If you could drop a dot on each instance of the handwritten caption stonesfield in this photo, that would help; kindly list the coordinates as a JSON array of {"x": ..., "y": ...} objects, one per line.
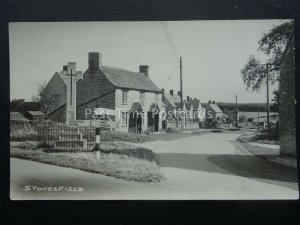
[{"x": 52, "y": 188}]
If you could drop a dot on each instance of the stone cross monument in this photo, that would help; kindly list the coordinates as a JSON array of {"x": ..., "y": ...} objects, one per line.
[{"x": 70, "y": 77}]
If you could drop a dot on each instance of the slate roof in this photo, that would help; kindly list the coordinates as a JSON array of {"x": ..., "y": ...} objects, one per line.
[
  {"x": 216, "y": 108},
  {"x": 136, "y": 107},
  {"x": 36, "y": 113},
  {"x": 177, "y": 105},
  {"x": 129, "y": 80},
  {"x": 17, "y": 116},
  {"x": 188, "y": 105},
  {"x": 27, "y": 106},
  {"x": 173, "y": 99}
]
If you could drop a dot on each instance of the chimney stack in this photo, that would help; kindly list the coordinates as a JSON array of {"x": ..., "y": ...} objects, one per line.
[
  {"x": 144, "y": 69},
  {"x": 163, "y": 93},
  {"x": 188, "y": 98},
  {"x": 171, "y": 92},
  {"x": 95, "y": 60},
  {"x": 71, "y": 66}
]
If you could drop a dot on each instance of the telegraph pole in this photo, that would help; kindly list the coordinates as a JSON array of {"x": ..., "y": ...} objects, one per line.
[
  {"x": 237, "y": 112},
  {"x": 268, "y": 105},
  {"x": 181, "y": 93},
  {"x": 257, "y": 116}
]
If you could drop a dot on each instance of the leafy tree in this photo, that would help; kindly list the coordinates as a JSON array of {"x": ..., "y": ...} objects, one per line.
[
  {"x": 275, "y": 106},
  {"x": 272, "y": 44}
]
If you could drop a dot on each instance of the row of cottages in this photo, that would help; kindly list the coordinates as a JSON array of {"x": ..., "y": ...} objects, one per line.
[
  {"x": 110, "y": 88},
  {"x": 192, "y": 108}
]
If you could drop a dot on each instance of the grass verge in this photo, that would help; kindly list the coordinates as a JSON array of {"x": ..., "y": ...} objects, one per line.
[{"x": 114, "y": 165}]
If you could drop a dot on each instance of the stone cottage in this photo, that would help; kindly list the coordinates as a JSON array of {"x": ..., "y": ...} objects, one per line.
[
  {"x": 191, "y": 109},
  {"x": 127, "y": 92}
]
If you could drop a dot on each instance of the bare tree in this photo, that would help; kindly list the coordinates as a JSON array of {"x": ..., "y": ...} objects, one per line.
[{"x": 48, "y": 100}]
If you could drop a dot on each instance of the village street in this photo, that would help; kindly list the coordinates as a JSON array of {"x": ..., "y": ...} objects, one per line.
[{"x": 208, "y": 166}]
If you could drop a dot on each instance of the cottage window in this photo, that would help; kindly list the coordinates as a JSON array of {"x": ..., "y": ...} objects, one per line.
[
  {"x": 124, "y": 97},
  {"x": 142, "y": 98},
  {"x": 124, "y": 119}
]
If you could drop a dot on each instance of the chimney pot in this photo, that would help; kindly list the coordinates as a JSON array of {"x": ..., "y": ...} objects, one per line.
[
  {"x": 179, "y": 93},
  {"x": 65, "y": 68},
  {"x": 171, "y": 92},
  {"x": 188, "y": 98},
  {"x": 95, "y": 60},
  {"x": 144, "y": 69}
]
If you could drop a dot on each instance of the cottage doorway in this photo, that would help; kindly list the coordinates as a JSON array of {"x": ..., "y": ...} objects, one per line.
[
  {"x": 135, "y": 119},
  {"x": 132, "y": 122},
  {"x": 156, "y": 121},
  {"x": 153, "y": 118}
]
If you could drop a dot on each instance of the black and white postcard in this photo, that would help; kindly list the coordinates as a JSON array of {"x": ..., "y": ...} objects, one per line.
[{"x": 161, "y": 110}]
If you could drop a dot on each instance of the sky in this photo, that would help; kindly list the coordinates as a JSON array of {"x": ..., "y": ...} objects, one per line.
[{"x": 213, "y": 53}]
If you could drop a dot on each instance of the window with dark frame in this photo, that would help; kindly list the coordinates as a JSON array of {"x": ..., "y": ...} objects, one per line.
[{"x": 124, "y": 97}]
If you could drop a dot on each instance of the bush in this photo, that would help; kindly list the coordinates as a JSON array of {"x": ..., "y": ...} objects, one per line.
[
  {"x": 140, "y": 153},
  {"x": 250, "y": 119},
  {"x": 242, "y": 118},
  {"x": 21, "y": 130},
  {"x": 123, "y": 136}
]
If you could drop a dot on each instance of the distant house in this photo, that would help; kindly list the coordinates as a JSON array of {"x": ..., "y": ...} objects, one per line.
[
  {"x": 173, "y": 102},
  {"x": 112, "y": 88},
  {"x": 173, "y": 108},
  {"x": 213, "y": 111},
  {"x": 189, "y": 109},
  {"x": 34, "y": 115},
  {"x": 27, "y": 106},
  {"x": 198, "y": 110}
]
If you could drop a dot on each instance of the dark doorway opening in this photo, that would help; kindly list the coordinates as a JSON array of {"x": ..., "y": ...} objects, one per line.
[
  {"x": 156, "y": 121},
  {"x": 132, "y": 122}
]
